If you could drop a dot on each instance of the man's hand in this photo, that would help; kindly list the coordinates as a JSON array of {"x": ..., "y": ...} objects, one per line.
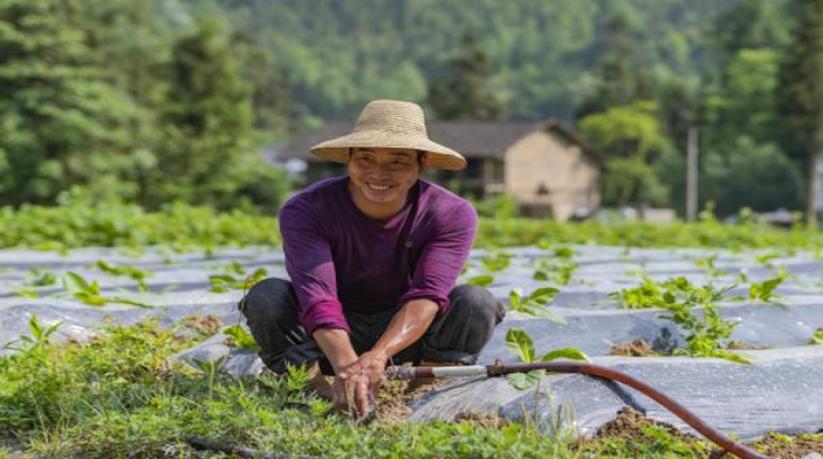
[
  {"x": 371, "y": 364},
  {"x": 358, "y": 378}
]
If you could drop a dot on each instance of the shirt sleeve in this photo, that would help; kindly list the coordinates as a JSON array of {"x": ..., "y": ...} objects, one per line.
[
  {"x": 443, "y": 257},
  {"x": 311, "y": 268}
]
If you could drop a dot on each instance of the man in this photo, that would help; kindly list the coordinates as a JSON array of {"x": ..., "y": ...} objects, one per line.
[{"x": 373, "y": 257}]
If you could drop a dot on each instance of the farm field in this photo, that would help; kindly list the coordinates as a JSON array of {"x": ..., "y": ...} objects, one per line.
[{"x": 132, "y": 351}]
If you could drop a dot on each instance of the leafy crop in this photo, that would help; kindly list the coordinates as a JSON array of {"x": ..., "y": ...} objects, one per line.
[
  {"x": 130, "y": 271},
  {"x": 534, "y": 303},
  {"x": 557, "y": 267},
  {"x": 706, "y": 334},
  {"x": 482, "y": 280},
  {"x": 224, "y": 282},
  {"x": 113, "y": 224},
  {"x": 89, "y": 292},
  {"x": 38, "y": 277},
  {"x": 708, "y": 265},
  {"x": 765, "y": 291},
  {"x": 817, "y": 336},
  {"x": 496, "y": 261},
  {"x": 651, "y": 294},
  {"x": 520, "y": 343}
]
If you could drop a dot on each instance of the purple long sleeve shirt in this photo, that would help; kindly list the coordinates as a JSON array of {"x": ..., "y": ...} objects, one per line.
[{"x": 339, "y": 259}]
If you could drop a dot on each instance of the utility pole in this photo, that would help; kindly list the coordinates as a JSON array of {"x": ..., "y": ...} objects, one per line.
[{"x": 691, "y": 174}]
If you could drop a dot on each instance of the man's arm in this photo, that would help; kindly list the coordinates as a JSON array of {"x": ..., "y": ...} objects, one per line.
[{"x": 363, "y": 375}]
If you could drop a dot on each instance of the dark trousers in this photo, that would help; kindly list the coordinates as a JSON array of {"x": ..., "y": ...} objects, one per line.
[{"x": 458, "y": 336}]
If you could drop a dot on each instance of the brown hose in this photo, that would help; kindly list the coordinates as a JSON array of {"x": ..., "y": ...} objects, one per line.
[{"x": 500, "y": 369}]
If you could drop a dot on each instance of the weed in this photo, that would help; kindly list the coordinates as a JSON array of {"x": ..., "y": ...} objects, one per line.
[
  {"x": 242, "y": 338},
  {"x": 39, "y": 336}
]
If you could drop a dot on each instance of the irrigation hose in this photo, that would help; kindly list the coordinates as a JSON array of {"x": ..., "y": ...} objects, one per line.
[{"x": 500, "y": 369}]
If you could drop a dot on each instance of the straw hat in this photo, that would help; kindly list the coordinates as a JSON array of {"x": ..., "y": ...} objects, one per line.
[{"x": 390, "y": 124}]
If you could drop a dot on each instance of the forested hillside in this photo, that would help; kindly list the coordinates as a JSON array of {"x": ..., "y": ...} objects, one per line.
[{"x": 156, "y": 100}]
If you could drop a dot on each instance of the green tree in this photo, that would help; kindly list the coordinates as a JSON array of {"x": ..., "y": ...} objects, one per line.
[
  {"x": 463, "y": 93},
  {"x": 620, "y": 75},
  {"x": 744, "y": 101},
  {"x": 801, "y": 90},
  {"x": 62, "y": 120},
  {"x": 630, "y": 138},
  {"x": 749, "y": 174},
  {"x": 208, "y": 156},
  {"x": 749, "y": 24}
]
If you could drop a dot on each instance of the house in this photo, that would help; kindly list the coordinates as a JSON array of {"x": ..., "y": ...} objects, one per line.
[{"x": 543, "y": 165}]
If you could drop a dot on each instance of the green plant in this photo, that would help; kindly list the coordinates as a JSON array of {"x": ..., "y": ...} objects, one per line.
[
  {"x": 496, "y": 261},
  {"x": 535, "y": 303},
  {"x": 242, "y": 338},
  {"x": 557, "y": 270},
  {"x": 483, "y": 280},
  {"x": 678, "y": 297},
  {"x": 651, "y": 294},
  {"x": 708, "y": 264},
  {"x": 765, "y": 259},
  {"x": 133, "y": 272},
  {"x": 89, "y": 293},
  {"x": 521, "y": 344},
  {"x": 817, "y": 336},
  {"x": 39, "y": 336},
  {"x": 765, "y": 291},
  {"x": 299, "y": 377},
  {"x": 41, "y": 278},
  {"x": 704, "y": 334},
  {"x": 224, "y": 282}
]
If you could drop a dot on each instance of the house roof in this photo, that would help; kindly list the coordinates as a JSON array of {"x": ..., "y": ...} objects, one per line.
[{"x": 473, "y": 139}]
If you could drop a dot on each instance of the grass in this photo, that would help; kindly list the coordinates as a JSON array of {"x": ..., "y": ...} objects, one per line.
[{"x": 118, "y": 396}]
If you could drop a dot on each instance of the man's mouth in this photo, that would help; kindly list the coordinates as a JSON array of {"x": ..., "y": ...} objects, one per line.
[{"x": 375, "y": 187}]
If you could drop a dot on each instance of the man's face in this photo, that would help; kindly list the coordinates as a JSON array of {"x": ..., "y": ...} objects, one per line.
[{"x": 383, "y": 176}]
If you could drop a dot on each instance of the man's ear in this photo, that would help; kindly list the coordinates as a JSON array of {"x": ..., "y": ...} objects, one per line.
[{"x": 423, "y": 161}]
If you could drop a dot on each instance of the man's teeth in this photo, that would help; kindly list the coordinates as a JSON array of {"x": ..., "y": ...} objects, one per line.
[{"x": 379, "y": 187}]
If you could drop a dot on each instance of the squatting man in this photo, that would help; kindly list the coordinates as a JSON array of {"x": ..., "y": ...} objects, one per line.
[{"x": 373, "y": 257}]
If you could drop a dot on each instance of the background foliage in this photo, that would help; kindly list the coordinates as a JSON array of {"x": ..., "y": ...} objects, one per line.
[{"x": 157, "y": 100}]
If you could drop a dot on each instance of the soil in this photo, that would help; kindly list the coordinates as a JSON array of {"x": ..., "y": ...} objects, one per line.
[
  {"x": 628, "y": 424},
  {"x": 395, "y": 396},
  {"x": 204, "y": 325},
  {"x": 783, "y": 446},
  {"x": 741, "y": 346},
  {"x": 489, "y": 420},
  {"x": 637, "y": 348}
]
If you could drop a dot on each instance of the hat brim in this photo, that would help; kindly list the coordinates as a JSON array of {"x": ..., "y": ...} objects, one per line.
[{"x": 438, "y": 157}]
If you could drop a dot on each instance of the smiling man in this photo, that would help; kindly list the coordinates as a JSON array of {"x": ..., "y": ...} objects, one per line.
[{"x": 373, "y": 258}]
